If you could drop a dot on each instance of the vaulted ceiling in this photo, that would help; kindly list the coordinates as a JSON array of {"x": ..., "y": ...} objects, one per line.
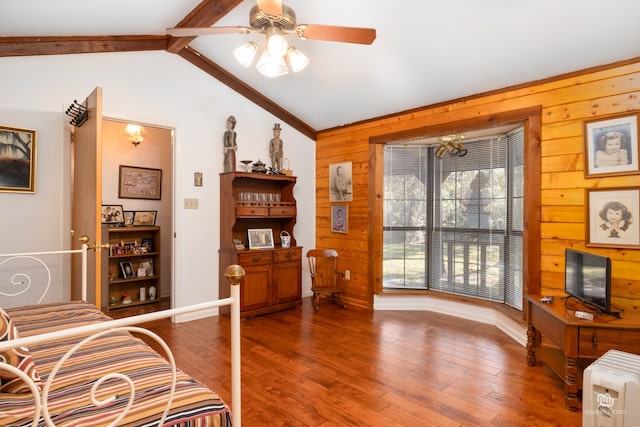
[{"x": 426, "y": 51}]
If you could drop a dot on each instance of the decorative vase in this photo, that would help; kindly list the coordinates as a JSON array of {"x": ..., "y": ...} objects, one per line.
[{"x": 152, "y": 292}]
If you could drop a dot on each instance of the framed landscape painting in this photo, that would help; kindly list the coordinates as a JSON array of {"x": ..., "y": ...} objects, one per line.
[{"x": 17, "y": 160}]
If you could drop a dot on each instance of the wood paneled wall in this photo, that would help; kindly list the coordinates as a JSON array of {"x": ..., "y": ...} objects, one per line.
[{"x": 566, "y": 102}]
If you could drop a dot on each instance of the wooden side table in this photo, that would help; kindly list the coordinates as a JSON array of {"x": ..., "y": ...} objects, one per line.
[{"x": 575, "y": 343}]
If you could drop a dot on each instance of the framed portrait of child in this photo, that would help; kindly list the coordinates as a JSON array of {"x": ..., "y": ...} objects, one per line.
[
  {"x": 613, "y": 217},
  {"x": 611, "y": 146}
]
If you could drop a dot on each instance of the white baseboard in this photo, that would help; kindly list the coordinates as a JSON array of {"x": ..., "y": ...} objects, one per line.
[{"x": 462, "y": 310}]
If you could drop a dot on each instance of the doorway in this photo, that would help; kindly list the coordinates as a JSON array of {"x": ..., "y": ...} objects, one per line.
[{"x": 152, "y": 150}]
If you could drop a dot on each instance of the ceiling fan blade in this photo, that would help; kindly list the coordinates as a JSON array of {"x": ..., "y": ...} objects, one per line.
[
  {"x": 203, "y": 31},
  {"x": 336, "y": 34},
  {"x": 271, "y": 7}
]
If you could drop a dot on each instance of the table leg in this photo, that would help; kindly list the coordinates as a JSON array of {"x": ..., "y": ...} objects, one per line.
[
  {"x": 531, "y": 345},
  {"x": 570, "y": 383}
]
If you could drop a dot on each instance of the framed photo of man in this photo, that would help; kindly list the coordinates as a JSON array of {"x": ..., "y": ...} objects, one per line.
[
  {"x": 611, "y": 146},
  {"x": 612, "y": 217},
  {"x": 340, "y": 182}
]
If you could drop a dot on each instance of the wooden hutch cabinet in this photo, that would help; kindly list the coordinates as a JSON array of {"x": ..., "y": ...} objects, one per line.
[
  {"x": 131, "y": 249},
  {"x": 250, "y": 201}
]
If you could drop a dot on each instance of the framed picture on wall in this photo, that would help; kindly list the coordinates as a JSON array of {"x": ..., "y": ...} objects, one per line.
[
  {"x": 611, "y": 146},
  {"x": 139, "y": 183},
  {"x": 18, "y": 173},
  {"x": 613, "y": 217},
  {"x": 339, "y": 218},
  {"x": 340, "y": 182}
]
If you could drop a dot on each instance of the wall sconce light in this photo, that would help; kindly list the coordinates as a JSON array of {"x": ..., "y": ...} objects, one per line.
[
  {"x": 451, "y": 144},
  {"x": 135, "y": 134}
]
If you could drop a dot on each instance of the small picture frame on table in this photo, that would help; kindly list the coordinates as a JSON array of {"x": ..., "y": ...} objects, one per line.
[
  {"x": 612, "y": 218},
  {"x": 611, "y": 146},
  {"x": 260, "y": 238}
]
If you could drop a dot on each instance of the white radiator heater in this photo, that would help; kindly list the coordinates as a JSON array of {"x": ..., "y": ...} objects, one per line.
[{"x": 611, "y": 391}]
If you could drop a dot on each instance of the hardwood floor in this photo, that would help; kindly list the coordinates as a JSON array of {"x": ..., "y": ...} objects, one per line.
[{"x": 351, "y": 367}]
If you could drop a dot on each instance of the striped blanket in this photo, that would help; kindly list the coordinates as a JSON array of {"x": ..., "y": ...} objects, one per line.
[{"x": 116, "y": 352}]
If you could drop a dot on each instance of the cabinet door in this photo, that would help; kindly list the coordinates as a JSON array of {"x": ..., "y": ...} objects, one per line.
[
  {"x": 255, "y": 289},
  {"x": 286, "y": 279}
]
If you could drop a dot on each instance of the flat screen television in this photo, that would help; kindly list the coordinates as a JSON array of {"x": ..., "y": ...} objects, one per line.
[{"x": 588, "y": 279}]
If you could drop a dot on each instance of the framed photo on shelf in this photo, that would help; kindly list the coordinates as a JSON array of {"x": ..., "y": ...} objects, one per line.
[
  {"x": 20, "y": 177},
  {"x": 129, "y": 246},
  {"x": 260, "y": 238},
  {"x": 147, "y": 265},
  {"x": 126, "y": 268},
  {"x": 147, "y": 242},
  {"x": 112, "y": 214},
  {"x": 139, "y": 183},
  {"x": 611, "y": 146},
  {"x": 128, "y": 218},
  {"x": 340, "y": 182},
  {"x": 339, "y": 218},
  {"x": 117, "y": 250},
  {"x": 144, "y": 217},
  {"x": 612, "y": 216}
]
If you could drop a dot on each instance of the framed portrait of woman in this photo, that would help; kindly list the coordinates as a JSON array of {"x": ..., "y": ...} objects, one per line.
[
  {"x": 612, "y": 216},
  {"x": 611, "y": 146}
]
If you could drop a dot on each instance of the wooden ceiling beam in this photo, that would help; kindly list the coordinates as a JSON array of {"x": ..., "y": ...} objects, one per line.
[
  {"x": 207, "y": 13},
  {"x": 28, "y": 46},
  {"x": 245, "y": 90}
]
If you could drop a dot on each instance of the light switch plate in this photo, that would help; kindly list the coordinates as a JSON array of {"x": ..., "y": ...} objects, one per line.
[{"x": 191, "y": 203}]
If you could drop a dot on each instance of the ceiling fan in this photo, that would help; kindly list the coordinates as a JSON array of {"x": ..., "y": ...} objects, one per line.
[{"x": 275, "y": 20}]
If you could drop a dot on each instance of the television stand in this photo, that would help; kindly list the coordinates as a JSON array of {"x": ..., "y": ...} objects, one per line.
[{"x": 568, "y": 344}]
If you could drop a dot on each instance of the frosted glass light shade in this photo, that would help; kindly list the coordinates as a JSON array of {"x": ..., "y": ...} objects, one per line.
[
  {"x": 245, "y": 53},
  {"x": 297, "y": 60},
  {"x": 270, "y": 66}
]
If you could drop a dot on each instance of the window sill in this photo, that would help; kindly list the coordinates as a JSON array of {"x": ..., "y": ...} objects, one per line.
[{"x": 505, "y": 318}]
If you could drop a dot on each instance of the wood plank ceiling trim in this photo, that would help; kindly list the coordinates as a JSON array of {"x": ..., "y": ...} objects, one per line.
[{"x": 32, "y": 46}]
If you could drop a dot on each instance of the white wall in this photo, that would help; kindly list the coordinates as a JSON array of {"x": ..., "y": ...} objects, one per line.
[{"x": 149, "y": 87}]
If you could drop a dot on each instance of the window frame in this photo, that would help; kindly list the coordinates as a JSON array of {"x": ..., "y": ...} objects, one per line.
[{"x": 531, "y": 117}]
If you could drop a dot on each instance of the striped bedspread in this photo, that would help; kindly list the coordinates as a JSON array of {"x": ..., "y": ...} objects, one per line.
[{"x": 116, "y": 352}]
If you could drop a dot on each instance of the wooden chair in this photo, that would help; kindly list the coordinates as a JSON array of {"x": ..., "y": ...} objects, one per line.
[{"x": 325, "y": 277}]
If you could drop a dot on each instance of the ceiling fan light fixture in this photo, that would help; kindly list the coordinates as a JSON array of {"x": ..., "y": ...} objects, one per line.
[
  {"x": 246, "y": 53},
  {"x": 297, "y": 60},
  {"x": 271, "y": 66}
]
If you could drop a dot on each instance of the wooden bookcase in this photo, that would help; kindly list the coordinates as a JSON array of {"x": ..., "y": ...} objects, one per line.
[
  {"x": 273, "y": 275},
  {"x": 137, "y": 247}
]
